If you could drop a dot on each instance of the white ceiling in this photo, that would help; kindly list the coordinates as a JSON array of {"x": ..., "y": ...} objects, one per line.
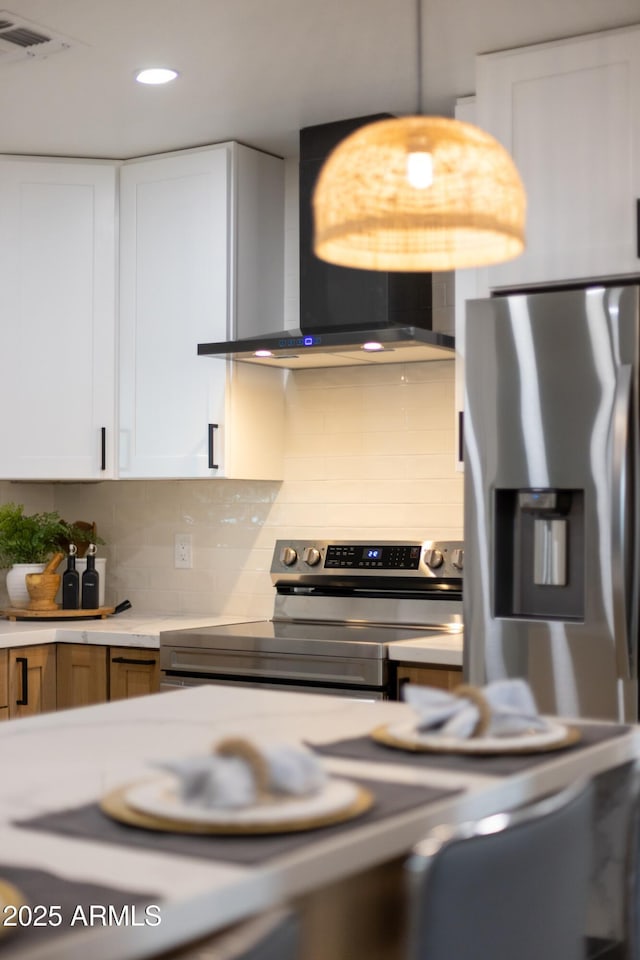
[{"x": 255, "y": 70}]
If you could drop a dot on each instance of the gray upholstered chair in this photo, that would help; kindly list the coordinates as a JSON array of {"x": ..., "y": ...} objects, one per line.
[{"x": 513, "y": 886}]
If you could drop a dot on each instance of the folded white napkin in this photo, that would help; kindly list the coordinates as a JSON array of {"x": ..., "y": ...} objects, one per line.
[
  {"x": 246, "y": 772},
  {"x": 511, "y": 710}
]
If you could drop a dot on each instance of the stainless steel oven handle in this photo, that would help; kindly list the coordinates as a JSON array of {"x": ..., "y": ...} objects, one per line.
[{"x": 168, "y": 684}]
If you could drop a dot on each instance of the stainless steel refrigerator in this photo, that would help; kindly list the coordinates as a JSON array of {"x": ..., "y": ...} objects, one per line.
[{"x": 552, "y": 572}]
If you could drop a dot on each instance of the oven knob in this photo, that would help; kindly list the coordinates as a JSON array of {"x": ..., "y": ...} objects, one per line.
[
  {"x": 433, "y": 558},
  {"x": 457, "y": 559},
  {"x": 288, "y": 556},
  {"x": 311, "y": 556}
]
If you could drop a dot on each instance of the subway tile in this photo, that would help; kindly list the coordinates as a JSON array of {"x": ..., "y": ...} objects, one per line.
[
  {"x": 303, "y": 468},
  {"x": 369, "y": 451},
  {"x": 435, "y": 370}
]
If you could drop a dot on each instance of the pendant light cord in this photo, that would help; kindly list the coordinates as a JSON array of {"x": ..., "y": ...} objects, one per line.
[{"x": 419, "y": 55}]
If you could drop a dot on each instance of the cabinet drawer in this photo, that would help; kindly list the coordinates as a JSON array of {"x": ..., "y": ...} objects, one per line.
[
  {"x": 445, "y": 678},
  {"x": 133, "y": 672}
]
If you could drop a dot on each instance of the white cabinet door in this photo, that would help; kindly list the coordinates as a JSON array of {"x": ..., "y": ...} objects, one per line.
[
  {"x": 57, "y": 302},
  {"x": 569, "y": 113},
  {"x": 182, "y": 281},
  {"x": 174, "y": 265}
]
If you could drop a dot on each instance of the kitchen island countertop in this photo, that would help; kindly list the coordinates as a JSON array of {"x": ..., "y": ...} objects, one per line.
[{"x": 65, "y": 760}]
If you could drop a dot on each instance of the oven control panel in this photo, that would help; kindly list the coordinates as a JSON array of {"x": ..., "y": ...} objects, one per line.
[
  {"x": 377, "y": 557},
  {"x": 302, "y": 559}
]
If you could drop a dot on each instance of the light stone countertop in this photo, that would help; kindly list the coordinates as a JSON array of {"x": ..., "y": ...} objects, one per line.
[
  {"x": 443, "y": 649},
  {"x": 128, "y": 629},
  {"x": 61, "y": 760},
  {"x": 131, "y": 629}
]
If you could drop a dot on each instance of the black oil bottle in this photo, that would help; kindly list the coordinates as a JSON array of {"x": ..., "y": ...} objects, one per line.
[
  {"x": 71, "y": 582},
  {"x": 90, "y": 581}
]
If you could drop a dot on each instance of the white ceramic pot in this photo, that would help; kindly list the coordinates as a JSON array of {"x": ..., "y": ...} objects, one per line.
[{"x": 17, "y": 585}]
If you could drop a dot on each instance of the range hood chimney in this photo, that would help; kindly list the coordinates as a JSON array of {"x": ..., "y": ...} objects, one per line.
[{"x": 347, "y": 317}]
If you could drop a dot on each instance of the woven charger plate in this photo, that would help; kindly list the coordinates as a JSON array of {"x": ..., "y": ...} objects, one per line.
[
  {"x": 10, "y": 896},
  {"x": 116, "y": 806},
  {"x": 421, "y": 743}
]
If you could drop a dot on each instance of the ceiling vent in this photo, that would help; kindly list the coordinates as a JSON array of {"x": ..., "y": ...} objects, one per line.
[{"x": 22, "y": 40}]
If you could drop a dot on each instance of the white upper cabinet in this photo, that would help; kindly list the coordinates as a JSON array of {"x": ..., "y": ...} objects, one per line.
[
  {"x": 201, "y": 259},
  {"x": 57, "y": 302},
  {"x": 469, "y": 284},
  {"x": 569, "y": 113}
]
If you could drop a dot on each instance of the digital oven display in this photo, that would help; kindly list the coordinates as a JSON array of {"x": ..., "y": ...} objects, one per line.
[{"x": 401, "y": 556}]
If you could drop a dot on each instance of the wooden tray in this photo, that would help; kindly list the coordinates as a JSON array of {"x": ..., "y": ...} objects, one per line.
[{"x": 16, "y": 613}]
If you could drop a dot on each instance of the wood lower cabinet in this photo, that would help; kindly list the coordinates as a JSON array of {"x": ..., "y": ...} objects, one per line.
[
  {"x": 65, "y": 675},
  {"x": 4, "y": 684},
  {"x": 133, "y": 672},
  {"x": 32, "y": 680},
  {"x": 82, "y": 675},
  {"x": 446, "y": 678}
]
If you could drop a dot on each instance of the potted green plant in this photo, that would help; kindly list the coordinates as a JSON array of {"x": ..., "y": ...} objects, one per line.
[{"x": 27, "y": 541}]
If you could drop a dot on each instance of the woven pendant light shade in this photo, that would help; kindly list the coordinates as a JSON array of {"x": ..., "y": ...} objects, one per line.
[{"x": 368, "y": 215}]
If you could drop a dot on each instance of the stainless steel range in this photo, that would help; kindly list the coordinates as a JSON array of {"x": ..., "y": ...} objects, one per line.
[{"x": 338, "y": 606}]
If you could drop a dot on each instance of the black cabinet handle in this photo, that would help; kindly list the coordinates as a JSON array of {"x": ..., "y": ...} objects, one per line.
[
  {"x": 139, "y": 663},
  {"x": 24, "y": 663},
  {"x": 212, "y": 428},
  {"x": 638, "y": 228},
  {"x": 103, "y": 448}
]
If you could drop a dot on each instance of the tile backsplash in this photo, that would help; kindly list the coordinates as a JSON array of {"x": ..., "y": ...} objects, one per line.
[{"x": 369, "y": 452}]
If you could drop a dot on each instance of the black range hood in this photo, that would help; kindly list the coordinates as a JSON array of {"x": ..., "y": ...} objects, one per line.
[
  {"x": 294, "y": 349},
  {"x": 347, "y": 317}
]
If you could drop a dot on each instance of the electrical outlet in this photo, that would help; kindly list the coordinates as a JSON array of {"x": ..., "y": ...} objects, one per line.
[{"x": 182, "y": 558}]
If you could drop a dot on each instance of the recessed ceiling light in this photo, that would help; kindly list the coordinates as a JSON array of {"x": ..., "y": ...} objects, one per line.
[{"x": 156, "y": 75}]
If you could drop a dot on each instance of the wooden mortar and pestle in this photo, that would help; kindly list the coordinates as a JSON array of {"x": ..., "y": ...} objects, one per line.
[{"x": 42, "y": 587}]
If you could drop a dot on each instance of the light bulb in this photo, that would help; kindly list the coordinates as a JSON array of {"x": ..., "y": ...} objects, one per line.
[
  {"x": 420, "y": 169},
  {"x": 372, "y": 345},
  {"x": 156, "y": 75}
]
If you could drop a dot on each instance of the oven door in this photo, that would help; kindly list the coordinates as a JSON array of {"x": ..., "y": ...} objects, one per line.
[
  {"x": 296, "y": 669},
  {"x": 168, "y": 682}
]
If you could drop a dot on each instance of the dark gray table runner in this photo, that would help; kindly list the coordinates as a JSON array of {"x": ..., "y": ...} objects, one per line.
[
  {"x": 364, "y": 748},
  {"x": 40, "y": 887},
  {"x": 89, "y": 823}
]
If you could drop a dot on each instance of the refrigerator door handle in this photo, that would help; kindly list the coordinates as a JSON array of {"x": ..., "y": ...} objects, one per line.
[{"x": 623, "y": 518}]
